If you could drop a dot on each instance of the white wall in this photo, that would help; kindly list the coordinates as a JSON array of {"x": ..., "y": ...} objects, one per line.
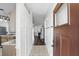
[
  {"x": 24, "y": 30},
  {"x": 49, "y": 31},
  {"x": 12, "y": 23},
  {"x": 42, "y": 33},
  {"x": 38, "y": 29}
]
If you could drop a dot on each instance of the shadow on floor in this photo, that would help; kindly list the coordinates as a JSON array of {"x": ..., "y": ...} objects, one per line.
[{"x": 38, "y": 41}]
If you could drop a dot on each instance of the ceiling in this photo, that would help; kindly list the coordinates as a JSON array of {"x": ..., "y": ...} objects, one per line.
[
  {"x": 8, "y": 7},
  {"x": 39, "y": 10}
]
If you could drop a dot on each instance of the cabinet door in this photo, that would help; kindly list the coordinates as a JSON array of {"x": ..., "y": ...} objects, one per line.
[
  {"x": 64, "y": 46},
  {"x": 56, "y": 45},
  {"x": 8, "y": 50},
  {"x": 61, "y": 45}
]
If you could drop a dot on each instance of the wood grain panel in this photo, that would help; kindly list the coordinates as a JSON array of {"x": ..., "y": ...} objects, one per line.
[
  {"x": 56, "y": 44},
  {"x": 69, "y": 41}
]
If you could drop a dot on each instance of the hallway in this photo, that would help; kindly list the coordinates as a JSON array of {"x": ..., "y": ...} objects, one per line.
[
  {"x": 40, "y": 50},
  {"x": 35, "y": 33}
]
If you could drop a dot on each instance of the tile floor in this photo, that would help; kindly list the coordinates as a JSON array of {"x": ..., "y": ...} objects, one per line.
[{"x": 40, "y": 50}]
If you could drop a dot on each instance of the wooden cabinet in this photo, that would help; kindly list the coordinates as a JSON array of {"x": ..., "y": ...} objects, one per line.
[
  {"x": 8, "y": 50},
  {"x": 56, "y": 44},
  {"x": 68, "y": 38}
]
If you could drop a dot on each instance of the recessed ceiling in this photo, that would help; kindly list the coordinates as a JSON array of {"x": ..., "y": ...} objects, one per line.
[
  {"x": 8, "y": 7},
  {"x": 39, "y": 10}
]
